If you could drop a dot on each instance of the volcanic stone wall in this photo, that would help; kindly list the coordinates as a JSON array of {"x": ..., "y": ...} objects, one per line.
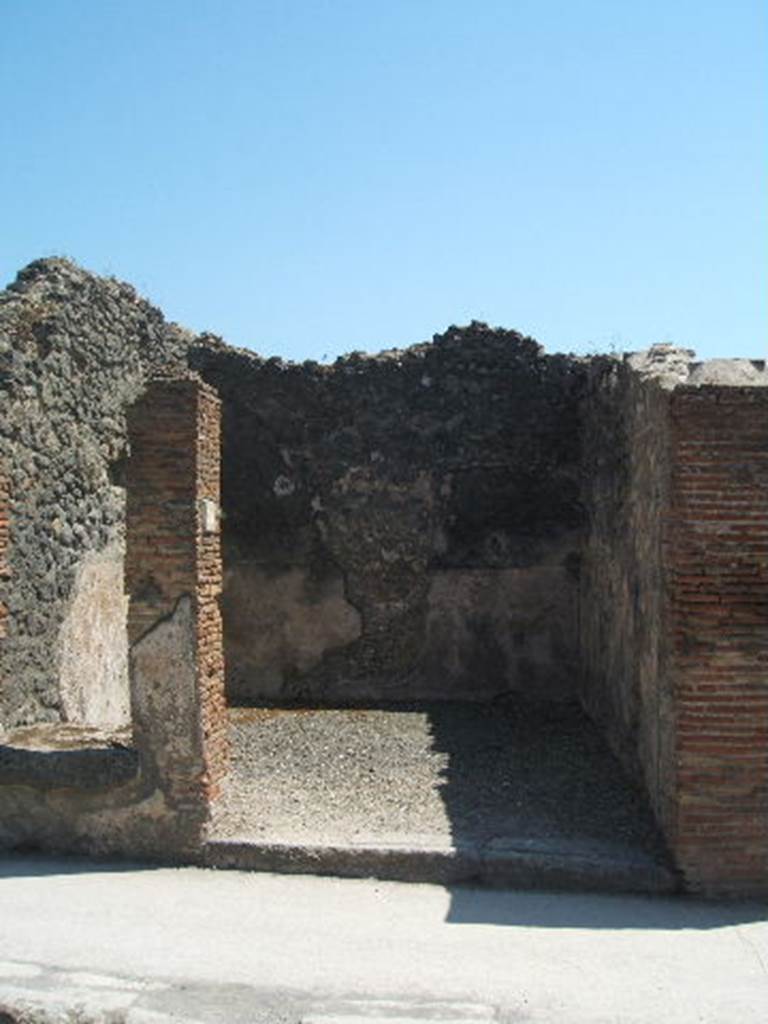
[
  {"x": 459, "y": 520},
  {"x": 674, "y": 603},
  {"x": 404, "y": 525},
  {"x": 623, "y": 590},
  {"x": 75, "y": 350},
  {"x": 5, "y": 502},
  {"x": 396, "y": 526}
]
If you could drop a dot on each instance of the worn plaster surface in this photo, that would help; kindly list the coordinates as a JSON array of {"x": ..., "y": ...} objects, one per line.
[
  {"x": 164, "y": 696},
  {"x": 280, "y": 624},
  {"x": 94, "y": 643}
]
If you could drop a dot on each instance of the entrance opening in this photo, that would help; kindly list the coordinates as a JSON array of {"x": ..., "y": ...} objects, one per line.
[
  {"x": 403, "y": 685},
  {"x": 522, "y": 791}
]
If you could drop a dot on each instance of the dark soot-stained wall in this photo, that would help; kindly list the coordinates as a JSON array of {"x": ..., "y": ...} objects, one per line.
[
  {"x": 397, "y": 526},
  {"x": 401, "y": 526}
]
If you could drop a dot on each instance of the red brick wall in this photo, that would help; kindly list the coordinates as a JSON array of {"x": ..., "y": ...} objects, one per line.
[
  {"x": 716, "y": 550},
  {"x": 161, "y": 550},
  {"x": 5, "y": 512},
  {"x": 173, "y": 469}
]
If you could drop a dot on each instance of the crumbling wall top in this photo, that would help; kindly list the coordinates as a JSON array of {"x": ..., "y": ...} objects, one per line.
[{"x": 669, "y": 365}]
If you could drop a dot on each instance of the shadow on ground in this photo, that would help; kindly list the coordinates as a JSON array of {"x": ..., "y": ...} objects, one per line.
[
  {"x": 455, "y": 788},
  {"x": 25, "y": 863},
  {"x": 505, "y": 908},
  {"x": 538, "y": 772},
  {"x": 515, "y": 793}
]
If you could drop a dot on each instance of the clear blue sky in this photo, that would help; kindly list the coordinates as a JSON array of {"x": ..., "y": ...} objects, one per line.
[{"x": 309, "y": 177}]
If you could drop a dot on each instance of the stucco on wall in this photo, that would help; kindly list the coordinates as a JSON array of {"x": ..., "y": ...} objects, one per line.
[
  {"x": 165, "y": 716},
  {"x": 94, "y": 644},
  {"x": 281, "y": 624},
  {"x": 493, "y": 632}
]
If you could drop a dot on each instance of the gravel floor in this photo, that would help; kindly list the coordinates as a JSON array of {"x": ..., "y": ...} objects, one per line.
[{"x": 429, "y": 774}]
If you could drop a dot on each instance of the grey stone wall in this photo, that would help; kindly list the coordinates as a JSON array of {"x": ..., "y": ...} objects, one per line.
[
  {"x": 624, "y": 615},
  {"x": 74, "y": 351},
  {"x": 395, "y": 526},
  {"x": 404, "y": 525},
  {"x": 623, "y": 592}
]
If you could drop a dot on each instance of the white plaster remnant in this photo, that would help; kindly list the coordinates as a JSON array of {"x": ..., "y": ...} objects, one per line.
[
  {"x": 733, "y": 372},
  {"x": 209, "y": 515},
  {"x": 163, "y": 674},
  {"x": 93, "y": 640},
  {"x": 283, "y": 486},
  {"x": 667, "y": 364}
]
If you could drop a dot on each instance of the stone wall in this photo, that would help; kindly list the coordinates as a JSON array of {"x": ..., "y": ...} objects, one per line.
[
  {"x": 71, "y": 788},
  {"x": 5, "y": 509},
  {"x": 75, "y": 350},
  {"x": 674, "y": 603},
  {"x": 401, "y": 526},
  {"x": 623, "y": 594},
  {"x": 396, "y": 526},
  {"x": 459, "y": 520},
  {"x": 716, "y": 546}
]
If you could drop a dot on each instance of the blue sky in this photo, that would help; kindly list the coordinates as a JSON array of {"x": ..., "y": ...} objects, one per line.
[{"x": 310, "y": 177}]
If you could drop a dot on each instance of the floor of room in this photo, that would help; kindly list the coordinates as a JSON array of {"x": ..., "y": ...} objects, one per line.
[{"x": 435, "y": 776}]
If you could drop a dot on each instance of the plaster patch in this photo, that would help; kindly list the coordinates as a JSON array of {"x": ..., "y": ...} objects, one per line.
[
  {"x": 490, "y": 632},
  {"x": 164, "y": 692},
  {"x": 284, "y": 622},
  {"x": 93, "y": 642}
]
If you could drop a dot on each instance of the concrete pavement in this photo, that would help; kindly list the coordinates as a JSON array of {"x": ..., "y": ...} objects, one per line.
[{"x": 143, "y": 945}]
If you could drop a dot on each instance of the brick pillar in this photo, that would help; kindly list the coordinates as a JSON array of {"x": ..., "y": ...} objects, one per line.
[
  {"x": 717, "y": 557},
  {"x": 173, "y": 577}
]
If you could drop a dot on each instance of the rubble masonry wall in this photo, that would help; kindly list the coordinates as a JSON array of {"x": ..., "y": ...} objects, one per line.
[
  {"x": 623, "y": 588},
  {"x": 401, "y": 526},
  {"x": 151, "y": 800},
  {"x": 75, "y": 351}
]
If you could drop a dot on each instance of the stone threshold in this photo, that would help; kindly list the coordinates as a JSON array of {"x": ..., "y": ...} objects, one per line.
[{"x": 560, "y": 865}]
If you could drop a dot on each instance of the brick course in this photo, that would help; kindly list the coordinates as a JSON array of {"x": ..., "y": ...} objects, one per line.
[
  {"x": 172, "y": 471},
  {"x": 674, "y": 613},
  {"x": 716, "y": 550}
]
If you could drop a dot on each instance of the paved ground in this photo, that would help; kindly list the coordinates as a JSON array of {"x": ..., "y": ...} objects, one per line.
[
  {"x": 125, "y": 945},
  {"x": 437, "y": 774}
]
